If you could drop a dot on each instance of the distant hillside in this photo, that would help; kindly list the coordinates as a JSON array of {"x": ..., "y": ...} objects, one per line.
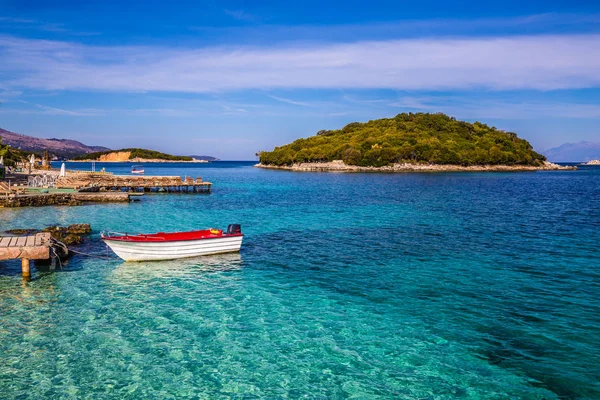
[
  {"x": 409, "y": 138},
  {"x": 207, "y": 158},
  {"x": 56, "y": 147},
  {"x": 574, "y": 152},
  {"x": 134, "y": 154}
]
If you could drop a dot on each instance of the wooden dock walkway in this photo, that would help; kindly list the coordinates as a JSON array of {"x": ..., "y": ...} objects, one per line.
[
  {"x": 170, "y": 184},
  {"x": 26, "y": 248}
]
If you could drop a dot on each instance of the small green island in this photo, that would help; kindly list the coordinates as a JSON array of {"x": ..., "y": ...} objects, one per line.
[
  {"x": 132, "y": 155},
  {"x": 409, "y": 141}
]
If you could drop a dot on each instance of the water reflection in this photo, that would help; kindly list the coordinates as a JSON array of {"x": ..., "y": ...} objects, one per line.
[{"x": 135, "y": 272}]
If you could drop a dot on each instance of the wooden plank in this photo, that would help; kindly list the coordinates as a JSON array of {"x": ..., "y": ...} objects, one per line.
[
  {"x": 30, "y": 241},
  {"x": 41, "y": 239},
  {"x": 46, "y": 237},
  {"x": 4, "y": 241},
  {"x": 21, "y": 241},
  {"x": 31, "y": 253},
  {"x": 13, "y": 241}
]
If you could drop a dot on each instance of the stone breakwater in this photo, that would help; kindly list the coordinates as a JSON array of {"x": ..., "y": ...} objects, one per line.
[
  {"x": 593, "y": 162},
  {"x": 60, "y": 199},
  {"x": 339, "y": 166}
]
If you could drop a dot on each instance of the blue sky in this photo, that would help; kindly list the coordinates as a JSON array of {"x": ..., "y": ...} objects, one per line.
[{"x": 232, "y": 78}]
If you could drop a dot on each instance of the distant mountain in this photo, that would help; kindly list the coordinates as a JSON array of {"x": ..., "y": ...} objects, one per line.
[
  {"x": 63, "y": 148},
  {"x": 207, "y": 158},
  {"x": 574, "y": 152}
]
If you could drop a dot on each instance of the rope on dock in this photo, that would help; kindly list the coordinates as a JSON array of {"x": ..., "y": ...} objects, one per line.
[
  {"x": 58, "y": 243},
  {"x": 66, "y": 250},
  {"x": 91, "y": 255},
  {"x": 57, "y": 258}
]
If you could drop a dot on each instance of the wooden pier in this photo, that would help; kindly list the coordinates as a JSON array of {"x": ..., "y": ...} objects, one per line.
[
  {"x": 26, "y": 248},
  {"x": 169, "y": 184}
]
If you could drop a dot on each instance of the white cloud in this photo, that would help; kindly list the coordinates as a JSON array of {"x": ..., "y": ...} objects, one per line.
[
  {"x": 10, "y": 93},
  {"x": 61, "y": 111},
  {"x": 232, "y": 110},
  {"x": 289, "y": 101},
  {"x": 241, "y": 15},
  {"x": 34, "y": 108},
  {"x": 53, "y": 111},
  {"x": 495, "y": 63},
  {"x": 12, "y": 20},
  {"x": 30, "y": 24}
]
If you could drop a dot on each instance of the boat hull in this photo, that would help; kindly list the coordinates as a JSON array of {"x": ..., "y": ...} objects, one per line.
[{"x": 171, "y": 250}]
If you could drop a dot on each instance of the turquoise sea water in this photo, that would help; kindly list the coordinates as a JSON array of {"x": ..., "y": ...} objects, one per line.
[{"x": 362, "y": 286}]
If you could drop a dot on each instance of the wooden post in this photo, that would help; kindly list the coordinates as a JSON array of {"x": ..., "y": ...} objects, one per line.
[{"x": 25, "y": 267}]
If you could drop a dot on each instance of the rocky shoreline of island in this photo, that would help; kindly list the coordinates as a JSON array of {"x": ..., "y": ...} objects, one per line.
[{"x": 340, "y": 166}]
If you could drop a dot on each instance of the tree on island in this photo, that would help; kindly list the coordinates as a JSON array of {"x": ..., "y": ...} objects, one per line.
[{"x": 409, "y": 138}]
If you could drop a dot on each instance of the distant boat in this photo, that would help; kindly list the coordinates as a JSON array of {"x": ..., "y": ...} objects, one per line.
[
  {"x": 171, "y": 246},
  {"x": 137, "y": 169}
]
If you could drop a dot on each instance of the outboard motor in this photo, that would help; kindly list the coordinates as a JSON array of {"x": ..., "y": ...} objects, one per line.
[{"x": 234, "y": 229}]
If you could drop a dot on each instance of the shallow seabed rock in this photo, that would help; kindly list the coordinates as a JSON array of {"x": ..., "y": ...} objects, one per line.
[{"x": 69, "y": 235}]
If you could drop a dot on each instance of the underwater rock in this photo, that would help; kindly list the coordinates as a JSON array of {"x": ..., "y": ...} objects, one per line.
[
  {"x": 22, "y": 231},
  {"x": 69, "y": 235},
  {"x": 79, "y": 229}
]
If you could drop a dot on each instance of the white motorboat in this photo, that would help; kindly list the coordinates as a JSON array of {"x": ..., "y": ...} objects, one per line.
[{"x": 174, "y": 245}]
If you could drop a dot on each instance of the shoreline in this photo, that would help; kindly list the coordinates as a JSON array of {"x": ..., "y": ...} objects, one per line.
[
  {"x": 339, "y": 166},
  {"x": 139, "y": 160}
]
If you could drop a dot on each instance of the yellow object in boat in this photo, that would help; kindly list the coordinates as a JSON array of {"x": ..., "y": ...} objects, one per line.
[{"x": 214, "y": 231}]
